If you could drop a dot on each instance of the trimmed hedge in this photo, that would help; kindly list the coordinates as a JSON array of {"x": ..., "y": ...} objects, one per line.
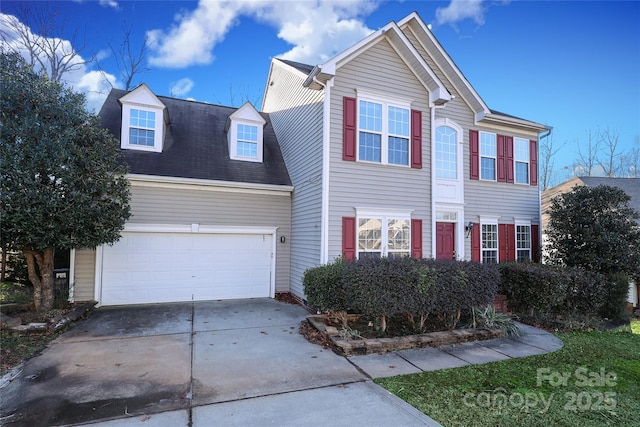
[
  {"x": 536, "y": 289},
  {"x": 385, "y": 287}
]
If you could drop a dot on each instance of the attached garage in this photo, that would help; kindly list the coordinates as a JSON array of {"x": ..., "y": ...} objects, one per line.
[{"x": 183, "y": 265}]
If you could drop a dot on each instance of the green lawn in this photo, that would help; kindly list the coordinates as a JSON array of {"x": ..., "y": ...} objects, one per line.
[{"x": 594, "y": 380}]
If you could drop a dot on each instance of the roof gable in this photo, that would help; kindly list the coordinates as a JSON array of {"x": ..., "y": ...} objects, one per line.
[
  {"x": 438, "y": 93},
  {"x": 441, "y": 58},
  {"x": 142, "y": 95}
]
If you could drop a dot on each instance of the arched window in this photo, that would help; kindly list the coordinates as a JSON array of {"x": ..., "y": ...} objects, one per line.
[{"x": 446, "y": 153}]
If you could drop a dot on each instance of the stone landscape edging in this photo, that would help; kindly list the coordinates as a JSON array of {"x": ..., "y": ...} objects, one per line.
[{"x": 361, "y": 346}]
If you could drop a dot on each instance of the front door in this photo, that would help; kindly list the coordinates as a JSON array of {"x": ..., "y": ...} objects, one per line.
[{"x": 445, "y": 240}]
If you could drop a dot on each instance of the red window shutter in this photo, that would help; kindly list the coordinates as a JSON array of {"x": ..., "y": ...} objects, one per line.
[
  {"x": 349, "y": 238},
  {"x": 349, "y": 130},
  {"x": 502, "y": 176},
  {"x": 474, "y": 167},
  {"x": 535, "y": 243},
  {"x": 475, "y": 243},
  {"x": 508, "y": 140},
  {"x": 533, "y": 162},
  {"x": 416, "y": 238},
  {"x": 416, "y": 139}
]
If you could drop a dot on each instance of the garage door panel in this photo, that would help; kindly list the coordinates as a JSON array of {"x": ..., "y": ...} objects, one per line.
[{"x": 163, "y": 267}]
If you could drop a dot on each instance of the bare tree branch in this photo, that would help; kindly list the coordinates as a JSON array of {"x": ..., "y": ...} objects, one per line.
[
  {"x": 587, "y": 160},
  {"x": 35, "y": 33},
  {"x": 610, "y": 163},
  {"x": 548, "y": 174}
]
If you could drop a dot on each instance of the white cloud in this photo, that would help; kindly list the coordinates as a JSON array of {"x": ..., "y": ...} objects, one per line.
[
  {"x": 110, "y": 3},
  {"x": 181, "y": 87},
  {"x": 94, "y": 84},
  {"x": 459, "y": 10},
  {"x": 316, "y": 29}
]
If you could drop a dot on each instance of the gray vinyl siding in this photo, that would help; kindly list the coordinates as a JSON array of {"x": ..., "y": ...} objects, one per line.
[
  {"x": 296, "y": 116},
  {"x": 152, "y": 205},
  {"x": 84, "y": 275},
  {"x": 366, "y": 185}
]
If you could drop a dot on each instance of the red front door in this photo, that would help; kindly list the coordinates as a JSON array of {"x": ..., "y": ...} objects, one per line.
[{"x": 445, "y": 240}]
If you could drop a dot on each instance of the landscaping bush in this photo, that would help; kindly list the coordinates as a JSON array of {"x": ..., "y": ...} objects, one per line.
[
  {"x": 534, "y": 288},
  {"x": 415, "y": 289},
  {"x": 383, "y": 287},
  {"x": 616, "y": 292},
  {"x": 543, "y": 291},
  {"x": 459, "y": 286},
  {"x": 323, "y": 286},
  {"x": 586, "y": 293}
]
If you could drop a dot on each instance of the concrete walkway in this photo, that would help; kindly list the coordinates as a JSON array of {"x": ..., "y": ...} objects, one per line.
[{"x": 227, "y": 363}]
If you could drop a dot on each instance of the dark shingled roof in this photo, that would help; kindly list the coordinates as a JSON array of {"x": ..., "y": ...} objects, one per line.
[
  {"x": 305, "y": 68},
  {"x": 196, "y": 146}
]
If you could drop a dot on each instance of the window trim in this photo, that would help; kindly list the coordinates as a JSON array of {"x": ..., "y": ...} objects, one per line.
[
  {"x": 523, "y": 223},
  {"x": 494, "y": 222},
  {"x": 527, "y": 143},
  {"x": 385, "y": 102},
  {"x": 233, "y": 141},
  {"x": 126, "y": 126},
  {"x": 384, "y": 216},
  {"x": 481, "y": 156}
]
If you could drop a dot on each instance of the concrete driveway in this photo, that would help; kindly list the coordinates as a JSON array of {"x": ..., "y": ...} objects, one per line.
[{"x": 230, "y": 363}]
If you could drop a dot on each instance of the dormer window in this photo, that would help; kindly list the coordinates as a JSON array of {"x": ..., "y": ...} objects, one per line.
[
  {"x": 142, "y": 125},
  {"x": 247, "y": 145},
  {"x": 245, "y": 134},
  {"x": 143, "y": 120}
]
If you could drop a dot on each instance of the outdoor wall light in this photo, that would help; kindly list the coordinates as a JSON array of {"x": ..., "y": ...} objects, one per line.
[{"x": 469, "y": 227}]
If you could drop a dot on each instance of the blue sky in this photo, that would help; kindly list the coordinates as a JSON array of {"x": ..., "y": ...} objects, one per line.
[{"x": 573, "y": 65}]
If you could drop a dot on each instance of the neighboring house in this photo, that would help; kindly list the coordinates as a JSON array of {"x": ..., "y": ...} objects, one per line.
[
  {"x": 210, "y": 201},
  {"x": 631, "y": 186},
  {"x": 389, "y": 151},
  {"x": 393, "y": 153}
]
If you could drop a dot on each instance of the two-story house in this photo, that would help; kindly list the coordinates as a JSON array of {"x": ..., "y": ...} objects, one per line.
[
  {"x": 391, "y": 152},
  {"x": 384, "y": 150}
]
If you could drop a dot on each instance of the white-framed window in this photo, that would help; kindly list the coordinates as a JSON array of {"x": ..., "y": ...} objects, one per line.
[
  {"x": 523, "y": 242},
  {"x": 142, "y": 125},
  {"x": 383, "y": 132},
  {"x": 384, "y": 234},
  {"x": 446, "y": 153},
  {"x": 489, "y": 243},
  {"x": 247, "y": 141},
  {"x": 141, "y": 128},
  {"x": 488, "y": 156},
  {"x": 521, "y": 154}
]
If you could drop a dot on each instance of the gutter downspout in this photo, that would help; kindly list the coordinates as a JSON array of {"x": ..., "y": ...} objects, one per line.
[{"x": 324, "y": 214}]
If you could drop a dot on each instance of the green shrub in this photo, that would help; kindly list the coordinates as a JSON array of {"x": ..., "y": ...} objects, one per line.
[
  {"x": 586, "y": 293},
  {"x": 323, "y": 286},
  {"x": 459, "y": 286},
  {"x": 617, "y": 290},
  {"x": 383, "y": 287},
  {"x": 544, "y": 291},
  {"x": 534, "y": 288}
]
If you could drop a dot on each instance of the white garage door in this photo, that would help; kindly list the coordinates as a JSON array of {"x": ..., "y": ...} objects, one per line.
[{"x": 162, "y": 267}]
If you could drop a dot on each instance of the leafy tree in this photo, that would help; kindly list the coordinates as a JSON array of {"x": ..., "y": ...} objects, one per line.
[
  {"x": 595, "y": 228},
  {"x": 62, "y": 184}
]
